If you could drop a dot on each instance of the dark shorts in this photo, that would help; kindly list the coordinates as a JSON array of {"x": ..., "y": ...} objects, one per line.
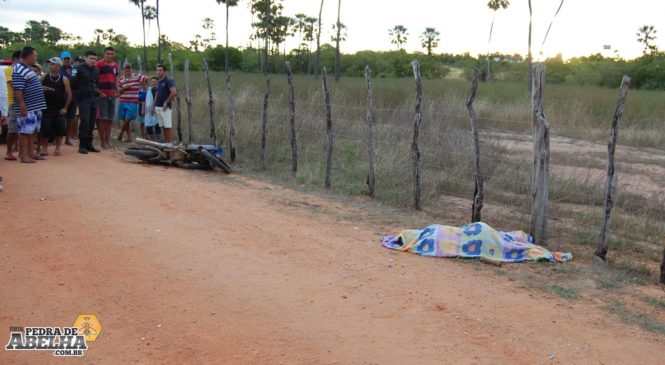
[
  {"x": 154, "y": 130},
  {"x": 71, "y": 111},
  {"x": 53, "y": 126},
  {"x": 106, "y": 107}
]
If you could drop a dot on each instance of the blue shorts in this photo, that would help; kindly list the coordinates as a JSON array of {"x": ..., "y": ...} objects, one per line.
[
  {"x": 29, "y": 124},
  {"x": 127, "y": 111}
]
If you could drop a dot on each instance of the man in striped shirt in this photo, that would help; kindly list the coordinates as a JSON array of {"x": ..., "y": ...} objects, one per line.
[
  {"x": 108, "y": 80},
  {"x": 129, "y": 85},
  {"x": 29, "y": 101}
]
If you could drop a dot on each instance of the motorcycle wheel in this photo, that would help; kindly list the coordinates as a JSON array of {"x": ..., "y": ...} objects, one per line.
[
  {"x": 216, "y": 161},
  {"x": 144, "y": 154}
]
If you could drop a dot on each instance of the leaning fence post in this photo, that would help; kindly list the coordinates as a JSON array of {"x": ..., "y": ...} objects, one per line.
[
  {"x": 370, "y": 133},
  {"x": 232, "y": 118},
  {"x": 329, "y": 131},
  {"x": 264, "y": 123},
  {"x": 188, "y": 101},
  {"x": 416, "y": 132},
  {"x": 478, "y": 191},
  {"x": 541, "y": 159},
  {"x": 213, "y": 137},
  {"x": 177, "y": 101},
  {"x": 292, "y": 104},
  {"x": 601, "y": 250}
]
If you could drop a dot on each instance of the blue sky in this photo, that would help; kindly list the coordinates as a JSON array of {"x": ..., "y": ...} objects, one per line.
[{"x": 583, "y": 26}]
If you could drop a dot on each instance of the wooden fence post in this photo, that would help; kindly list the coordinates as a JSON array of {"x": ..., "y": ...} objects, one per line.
[
  {"x": 478, "y": 191},
  {"x": 662, "y": 269},
  {"x": 541, "y": 160},
  {"x": 416, "y": 132},
  {"x": 292, "y": 104},
  {"x": 329, "y": 131},
  {"x": 601, "y": 250},
  {"x": 264, "y": 124},
  {"x": 188, "y": 101},
  {"x": 370, "y": 133},
  {"x": 213, "y": 137},
  {"x": 177, "y": 101},
  {"x": 232, "y": 119}
]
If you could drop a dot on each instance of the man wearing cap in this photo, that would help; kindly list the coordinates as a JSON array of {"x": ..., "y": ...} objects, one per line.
[
  {"x": 58, "y": 97},
  {"x": 68, "y": 71},
  {"x": 86, "y": 90},
  {"x": 129, "y": 85}
]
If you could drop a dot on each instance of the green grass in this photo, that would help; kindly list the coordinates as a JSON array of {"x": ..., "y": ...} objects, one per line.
[
  {"x": 566, "y": 293},
  {"x": 642, "y": 320}
]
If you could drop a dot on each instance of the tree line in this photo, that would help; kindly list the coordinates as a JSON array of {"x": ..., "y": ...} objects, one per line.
[{"x": 271, "y": 29}]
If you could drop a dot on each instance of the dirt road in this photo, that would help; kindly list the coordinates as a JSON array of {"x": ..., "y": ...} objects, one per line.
[{"x": 194, "y": 267}]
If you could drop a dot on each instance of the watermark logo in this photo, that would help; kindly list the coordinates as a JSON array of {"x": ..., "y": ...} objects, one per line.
[
  {"x": 88, "y": 326},
  {"x": 63, "y": 341}
]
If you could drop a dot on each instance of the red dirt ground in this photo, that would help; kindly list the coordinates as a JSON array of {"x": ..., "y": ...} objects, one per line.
[{"x": 194, "y": 267}]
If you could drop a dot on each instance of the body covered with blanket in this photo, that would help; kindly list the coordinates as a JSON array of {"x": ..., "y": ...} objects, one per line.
[{"x": 475, "y": 240}]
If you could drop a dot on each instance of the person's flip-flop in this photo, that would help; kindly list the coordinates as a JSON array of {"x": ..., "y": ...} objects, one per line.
[
  {"x": 43, "y": 153},
  {"x": 38, "y": 158},
  {"x": 29, "y": 161},
  {"x": 57, "y": 153},
  {"x": 10, "y": 158}
]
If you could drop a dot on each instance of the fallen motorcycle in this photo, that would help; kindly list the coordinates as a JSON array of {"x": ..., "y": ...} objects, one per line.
[{"x": 191, "y": 156}]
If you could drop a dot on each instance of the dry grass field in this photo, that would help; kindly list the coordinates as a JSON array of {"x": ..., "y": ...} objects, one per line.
[{"x": 580, "y": 119}]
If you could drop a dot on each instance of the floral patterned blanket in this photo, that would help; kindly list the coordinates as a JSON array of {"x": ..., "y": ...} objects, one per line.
[{"x": 477, "y": 240}]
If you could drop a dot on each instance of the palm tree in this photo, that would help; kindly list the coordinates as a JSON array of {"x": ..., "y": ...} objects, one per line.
[
  {"x": 429, "y": 39},
  {"x": 646, "y": 34},
  {"x": 338, "y": 57},
  {"x": 228, "y": 4},
  {"x": 139, "y": 3},
  {"x": 208, "y": 24},
  {"x": 494, "y": 5},
  {"x": 300, "y": 25},
  {"x": 399, "y": 34}
]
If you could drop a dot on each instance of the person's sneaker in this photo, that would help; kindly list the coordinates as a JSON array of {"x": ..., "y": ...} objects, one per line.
[{"x": 83, "y": 151}]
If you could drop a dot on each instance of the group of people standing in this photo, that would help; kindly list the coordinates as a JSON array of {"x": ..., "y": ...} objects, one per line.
[{"x": 42, "y": 107}]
